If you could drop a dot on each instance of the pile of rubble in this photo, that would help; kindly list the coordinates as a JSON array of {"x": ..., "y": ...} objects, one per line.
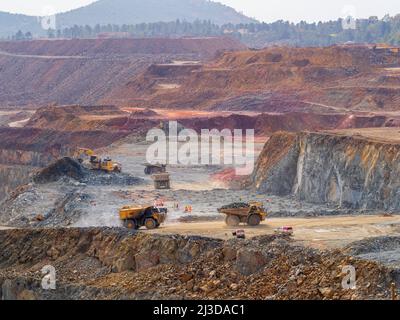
[
  {"x": 68, "y": 168},
  {"x": 65, "y": 167},
  {"x": 121, "y": 264},
  {"x": 237, "y": 205},
  {"x": 384, "y": 249},
  {"x": 263, "y": 268},
  {"x": 58, "y": 195}
]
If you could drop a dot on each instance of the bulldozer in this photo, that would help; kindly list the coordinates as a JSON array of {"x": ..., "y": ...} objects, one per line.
[
  {"x": 135, "y": 217},
  {"x": 95, "y": 162},
  {"x": 249, "y": 213}
]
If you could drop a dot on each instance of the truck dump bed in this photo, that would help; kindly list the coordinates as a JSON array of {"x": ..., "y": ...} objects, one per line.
[
  {"x": 131, "y": 212},
  {"x": 235, "y": 211}
]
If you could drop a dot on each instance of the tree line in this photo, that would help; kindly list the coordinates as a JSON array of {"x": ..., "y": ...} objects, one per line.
[{"x": 371, "y": 30}]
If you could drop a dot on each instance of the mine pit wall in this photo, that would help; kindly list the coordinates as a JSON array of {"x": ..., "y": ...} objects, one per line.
[
  {"x": 23, "y": 150},
  {"x": 11, "y": 177},
  {"x": 17, "y": 166},
  {"x": 24, "y": 157},
  {"x": 319, "y": 168},
  {"x": 116, "y": 250}
]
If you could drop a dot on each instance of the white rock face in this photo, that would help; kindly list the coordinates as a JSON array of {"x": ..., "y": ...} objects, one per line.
[{"x": 324, "y": 168}]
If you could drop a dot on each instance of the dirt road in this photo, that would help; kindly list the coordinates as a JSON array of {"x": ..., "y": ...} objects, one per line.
[
  {"x": 15, "y": 55},
  {"x": 320, "y": 233},
  {"x": 323, "y": 232}
]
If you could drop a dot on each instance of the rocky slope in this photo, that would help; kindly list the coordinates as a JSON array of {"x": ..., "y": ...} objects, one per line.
[
  {"x": 39, "y": 147},
  {"x": 58, "y": 195},
  {"x": 11, "y": 177},
  {"x": 85, "y": 71},
  {"x": 108, "y": 118},
  {"x": 345, "y": 170},
  {"x": 26, "y": 149},
  {"x": 276, "y": 79},
  {"x": 120, "y": 264}
]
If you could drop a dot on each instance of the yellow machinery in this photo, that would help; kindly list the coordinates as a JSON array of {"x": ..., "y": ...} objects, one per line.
[
  {"x": 252, "y": 214},
  {"x": 97, "y": 163},
  {"x": 134, "y": 217}
]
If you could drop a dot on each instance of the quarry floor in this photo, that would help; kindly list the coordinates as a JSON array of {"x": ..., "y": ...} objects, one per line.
[
  {"x": 205, "y": 189},
  {"x": 197, "y": 186},
  {"x": 319, "y": 233},
  {"x": 318, "y": 226}
]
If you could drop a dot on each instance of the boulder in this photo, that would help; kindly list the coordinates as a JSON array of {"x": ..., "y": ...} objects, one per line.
[
  {"x": 124, "y": 264},
  {"x": 145, "y": 260},
  {"x": 249, "y": 261}
]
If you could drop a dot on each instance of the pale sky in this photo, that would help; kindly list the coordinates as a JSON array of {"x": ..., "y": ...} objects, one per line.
[{"x": 263, "y": 10}]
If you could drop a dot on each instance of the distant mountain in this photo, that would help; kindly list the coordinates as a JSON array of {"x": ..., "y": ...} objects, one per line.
[
  {"x": 139, "y": 11},
  {"x": 128, "y": 12},
  {"x": 11, "y": 23}
]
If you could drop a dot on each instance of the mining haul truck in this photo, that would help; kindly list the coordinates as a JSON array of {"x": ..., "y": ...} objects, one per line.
[
  {"x": 135, "y": 217},
  {"x": 161, "y": 181},
  {"x": 249, "y": 213},
  {"x": 154, "y": 168}
]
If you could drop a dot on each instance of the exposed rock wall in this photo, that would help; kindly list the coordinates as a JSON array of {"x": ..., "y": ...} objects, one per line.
[
  {"x": 100, "y": 263},
  {"x": 11, "y": 177},
  {"x": 87, "y": 70},
  {"x": 348, "y": 172}
]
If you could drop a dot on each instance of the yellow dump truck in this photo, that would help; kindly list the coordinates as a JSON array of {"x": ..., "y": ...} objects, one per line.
[
  {"x": 250, "y": 213},
  {"x": 135, "y": 217}
]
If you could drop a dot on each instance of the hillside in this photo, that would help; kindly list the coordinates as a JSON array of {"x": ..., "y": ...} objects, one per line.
[
  {"x": 139, "y": 11},
  {"x": 121, "y": 12},
  {"x": 84, "y": 71},
  {"x": 277, "y": 79},
  {"x": 11, "y": 23}
]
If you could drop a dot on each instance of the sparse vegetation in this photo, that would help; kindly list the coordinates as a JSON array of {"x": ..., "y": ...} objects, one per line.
[{"x": 257, "y": 35}]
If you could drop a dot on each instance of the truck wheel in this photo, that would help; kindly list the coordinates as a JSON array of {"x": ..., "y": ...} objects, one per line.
[
  {"x": 130, "y": 224},
  {"x": 254, "y": 220},
  {"x": 232, "y": 221},
  {"x": 150, "y": 223}
]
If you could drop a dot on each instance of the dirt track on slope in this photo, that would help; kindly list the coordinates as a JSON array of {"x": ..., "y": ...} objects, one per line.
[{"x": 8, "y": 54}]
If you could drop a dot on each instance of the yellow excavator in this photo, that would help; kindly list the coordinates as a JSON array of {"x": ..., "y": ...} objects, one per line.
[{"x": 95, "y": 162}]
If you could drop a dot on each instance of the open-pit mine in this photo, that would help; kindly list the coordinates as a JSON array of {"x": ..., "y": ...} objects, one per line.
[{"x": 74, "y": 115}]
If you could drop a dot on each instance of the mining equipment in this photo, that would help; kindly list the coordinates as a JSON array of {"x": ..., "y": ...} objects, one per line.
[
  {"x": 154, "y": 168},
  {"x": 249, "y": 213},
  {"x": 161, "y": 181},
  {"x": 97, "y": 163},
  {"x": 135, "y": 217}
]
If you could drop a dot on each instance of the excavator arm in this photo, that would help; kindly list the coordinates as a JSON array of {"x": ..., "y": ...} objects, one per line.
[{"x": 83, "y": 151}]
